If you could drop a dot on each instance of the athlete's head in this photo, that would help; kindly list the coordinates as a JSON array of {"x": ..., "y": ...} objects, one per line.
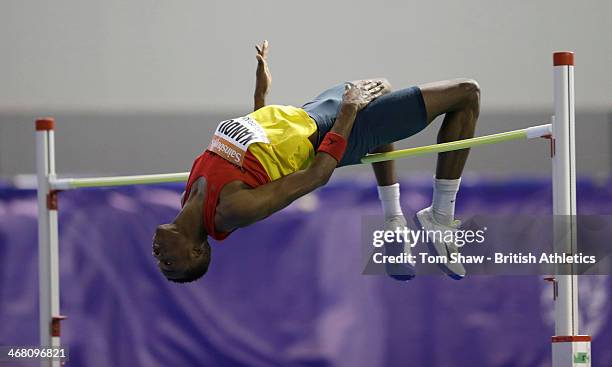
[{"x": 180, "y": 259}]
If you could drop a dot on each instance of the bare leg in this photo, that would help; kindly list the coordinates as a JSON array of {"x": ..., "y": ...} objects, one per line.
[
  {"x": 384, "y": 171},
  {"x": 459, "y": 100}
]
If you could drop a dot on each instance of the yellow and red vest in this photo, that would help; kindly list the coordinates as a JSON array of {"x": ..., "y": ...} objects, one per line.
[{"x": 263, "y": 146}]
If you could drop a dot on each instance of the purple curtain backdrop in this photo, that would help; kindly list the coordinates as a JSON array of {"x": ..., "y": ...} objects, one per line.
[{"x": 284, "y": 292}]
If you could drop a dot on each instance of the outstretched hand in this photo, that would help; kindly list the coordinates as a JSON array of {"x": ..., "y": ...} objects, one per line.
[
  {"x": 360, "y": 93},
  {"x": 263, "y": 76}
]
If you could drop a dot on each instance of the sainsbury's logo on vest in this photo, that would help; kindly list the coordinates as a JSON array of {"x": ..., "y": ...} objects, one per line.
[{"x": 224, "y": 149}]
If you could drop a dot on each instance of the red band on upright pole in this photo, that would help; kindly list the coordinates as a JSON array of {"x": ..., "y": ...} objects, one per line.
[
  {"x": 46, "y": 123},
  {"x": 55, "y": 325},
  {"x": 563, "y": 58},
  {"x": 52, "y": 200},
  {"x": 571, "y": 338}
]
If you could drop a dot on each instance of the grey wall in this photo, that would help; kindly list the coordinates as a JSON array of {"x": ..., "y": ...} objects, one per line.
[
  {"x": 136, "y": 84},
  {"x": 101, "y": 54}
]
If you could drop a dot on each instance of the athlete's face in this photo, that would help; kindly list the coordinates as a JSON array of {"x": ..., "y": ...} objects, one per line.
[{"x": 176, "y": 255}]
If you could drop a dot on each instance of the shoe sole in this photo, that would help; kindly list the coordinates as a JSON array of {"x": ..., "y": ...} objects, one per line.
[
  {"x": 432, "y": 250},
  {"x": 403, "y": 277}
]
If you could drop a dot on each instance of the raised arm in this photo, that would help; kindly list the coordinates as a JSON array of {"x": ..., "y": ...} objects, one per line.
[
  {"x": 263, "y": 78},
  {"x": 247, "y": 206}
]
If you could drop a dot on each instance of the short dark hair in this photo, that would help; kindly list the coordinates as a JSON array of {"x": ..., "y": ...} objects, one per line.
[{"x": 193, "y": 273}]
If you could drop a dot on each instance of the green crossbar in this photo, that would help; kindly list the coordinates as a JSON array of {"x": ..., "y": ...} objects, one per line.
[{"x": 446, "y": 147}]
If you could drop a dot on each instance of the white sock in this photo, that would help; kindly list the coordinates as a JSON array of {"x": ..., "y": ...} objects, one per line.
[
  {"x": 390, "y": 199},
  {"x": 443, "y": 203}
]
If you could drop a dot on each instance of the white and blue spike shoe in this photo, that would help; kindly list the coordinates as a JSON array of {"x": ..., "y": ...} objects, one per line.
[
  {"x": 405, "y": 271},
  {"x": 437, "y": 246}
]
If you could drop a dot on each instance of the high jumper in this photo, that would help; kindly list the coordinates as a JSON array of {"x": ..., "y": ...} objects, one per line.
[{"x": 258, "y": 164}]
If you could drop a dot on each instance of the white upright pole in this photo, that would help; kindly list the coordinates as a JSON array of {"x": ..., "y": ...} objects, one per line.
[
  {"x": 48, "y": 256},
  {"x": 569, "y": 348}
]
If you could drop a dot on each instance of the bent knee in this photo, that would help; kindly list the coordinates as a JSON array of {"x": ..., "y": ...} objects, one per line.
[
  {"x": 471, "y": 93},
  {"x": 469, "y": 86}
]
